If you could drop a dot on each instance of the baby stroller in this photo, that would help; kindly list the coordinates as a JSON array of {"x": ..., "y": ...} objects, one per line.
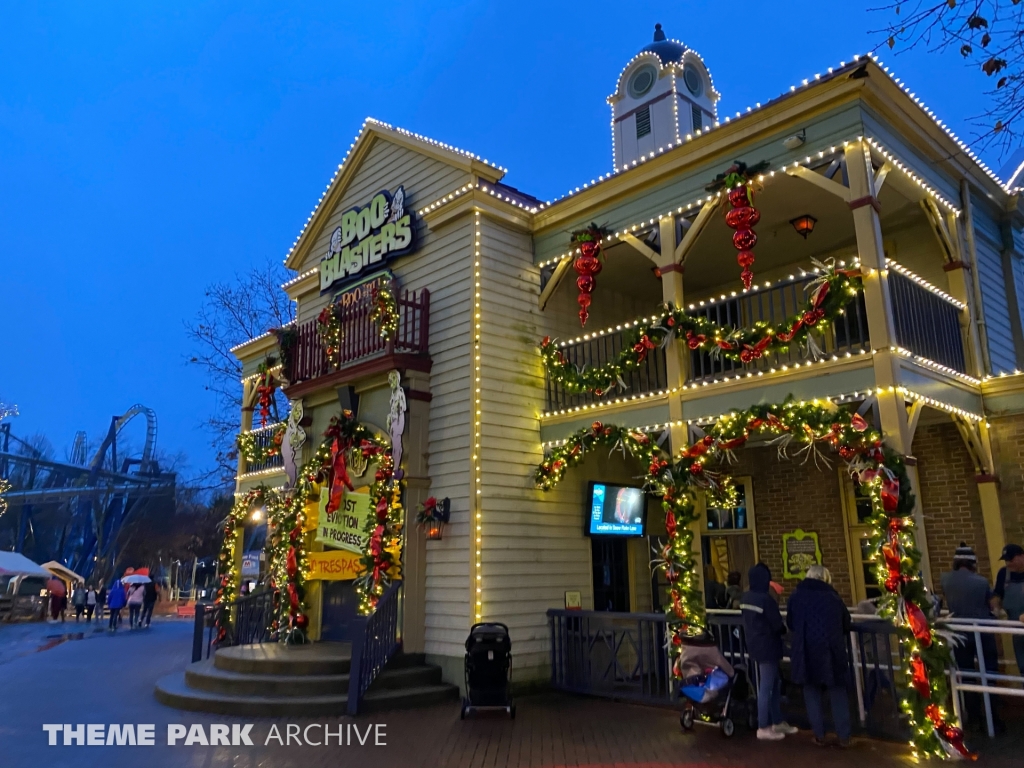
[
  {"x": 713, "y": 691},
  {"x": 488, "y": 669}
]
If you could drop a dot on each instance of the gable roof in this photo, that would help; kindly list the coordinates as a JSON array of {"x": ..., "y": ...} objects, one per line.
[{"x": 373, "y": 129}]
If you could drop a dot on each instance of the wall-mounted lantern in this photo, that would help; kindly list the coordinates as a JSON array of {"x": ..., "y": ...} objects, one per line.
[{"x": 433, "y": 515}]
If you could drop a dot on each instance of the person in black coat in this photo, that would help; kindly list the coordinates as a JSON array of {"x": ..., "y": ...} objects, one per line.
[
  {"x": 763, "y": 629},
  {"x": 820, "y": 622}
]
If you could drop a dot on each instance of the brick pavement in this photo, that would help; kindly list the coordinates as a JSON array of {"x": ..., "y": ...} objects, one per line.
[{"x": 110, "y": 680}]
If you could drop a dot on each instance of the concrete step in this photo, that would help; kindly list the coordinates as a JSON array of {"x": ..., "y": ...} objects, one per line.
[
  {"x": 292, "y": 660},
  {"x": 173, "y": 691},
  {"x": 205, "y": 676}
]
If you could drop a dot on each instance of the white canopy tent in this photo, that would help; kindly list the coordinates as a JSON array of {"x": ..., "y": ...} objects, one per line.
[{"x": 12, "y": 563}]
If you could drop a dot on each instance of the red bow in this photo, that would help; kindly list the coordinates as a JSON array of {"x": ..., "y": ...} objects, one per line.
[
  {"x": 641, "y": 348},
  {"x": 695, "y": 340},
  {"x": 754, "y": 352}
]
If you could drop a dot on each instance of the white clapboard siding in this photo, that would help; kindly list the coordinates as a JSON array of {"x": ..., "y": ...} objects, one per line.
[
  {"x": 442, "y": 264},
  {"x": 533, "y": 549}
]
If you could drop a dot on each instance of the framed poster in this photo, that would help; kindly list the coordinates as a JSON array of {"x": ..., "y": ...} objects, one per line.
[{"x": 800, "y": 550}]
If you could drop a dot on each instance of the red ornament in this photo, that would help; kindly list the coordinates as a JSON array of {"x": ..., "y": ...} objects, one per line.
[
  {"x": 739, "y": 197},
  {"x": 693, "y": 341},
  {"x": 587, "y": 266},
  {"x": 919, "y": 624},
  {"x": 919, "y": 677},
  {"x": 744, "y": 239},
  {"x": 744, "y": 217},
  {"x": 745, "y": 259},
  {"x": 302, "y": 621},
  {"x": 696, "y": 468},
  {"x": 890, "y": 494}
]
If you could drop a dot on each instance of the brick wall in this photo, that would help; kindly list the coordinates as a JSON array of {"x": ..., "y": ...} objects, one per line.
[
  {"x": 949, "y": 498},
  {"x": 1008, "y": 448},
  {"x": 789, "y": 494}
]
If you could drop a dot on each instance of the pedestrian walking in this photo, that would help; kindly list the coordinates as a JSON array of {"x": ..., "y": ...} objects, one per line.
[
  {"x": 150, "y": 595},
  {"x": 968, "y": 596},
  {"x": 136, "y": 597},
  {"x": 101, "y": 601},
  {"x": 90, "y": 603},
  {"x": 820, "y": 623},
  {"x": 1009, "y": 593},
  {"x": 116, "y": 600},
  {"x": 78, "y": 598},
  {"x": 763, "y": 628}
]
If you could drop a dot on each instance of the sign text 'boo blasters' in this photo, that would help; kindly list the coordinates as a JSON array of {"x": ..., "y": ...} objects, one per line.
[{"x": 368, "y": 236}]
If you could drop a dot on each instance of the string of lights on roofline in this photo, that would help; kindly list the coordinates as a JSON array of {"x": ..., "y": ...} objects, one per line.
[
  {"x": 703, "y": 199},
  {"x": 409, "y": 134},
  {"x": 792, "y": 89},
  {"x": 689, "y": 137},
  {"x": 837, "y": 399}
]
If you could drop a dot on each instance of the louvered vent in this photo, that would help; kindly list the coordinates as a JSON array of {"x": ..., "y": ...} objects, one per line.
[
  {"x": 698, "y": 122},
  {"x": 643, "y": 121}
]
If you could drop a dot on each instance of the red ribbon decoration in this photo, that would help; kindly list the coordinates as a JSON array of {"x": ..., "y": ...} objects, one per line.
[
  {"x": 919, "y": 677},
  {"x": 919, "y": 624},
  {"x": 641, "y": 348}
]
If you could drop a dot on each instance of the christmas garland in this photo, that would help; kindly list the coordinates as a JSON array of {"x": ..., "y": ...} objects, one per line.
[
  {"x": 287, "y": 338},
  {"x": 803, "y": 429},
  {"x": 230, "y": 578},
  {"x": 254, "y": 451},
  {"x": 385, "y": 311},
  {"x": 265, "y": 386},
  {"x": 828, "y": 296},
  {"x": 329, "y": 331}
]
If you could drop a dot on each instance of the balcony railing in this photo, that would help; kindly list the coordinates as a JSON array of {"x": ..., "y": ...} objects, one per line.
[
  {"x": 927, "y": 323},
  {"x": 265, "y": 439},
  {"x": 775, "y": 305},
  {"x": 360, "y": 338}
]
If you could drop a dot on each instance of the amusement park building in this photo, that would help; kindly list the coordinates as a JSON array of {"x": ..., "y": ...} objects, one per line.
[{"x": 930, "y": 351}]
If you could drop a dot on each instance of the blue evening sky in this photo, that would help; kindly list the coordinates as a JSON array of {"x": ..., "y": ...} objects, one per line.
[{"x": 149, "y": 149}]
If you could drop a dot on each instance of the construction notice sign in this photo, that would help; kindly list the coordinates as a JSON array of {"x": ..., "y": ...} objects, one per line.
[{"x": 345, "y": 527}]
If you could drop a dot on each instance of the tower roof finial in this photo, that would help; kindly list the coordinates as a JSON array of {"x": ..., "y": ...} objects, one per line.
[{"x": 658, "y": 34}]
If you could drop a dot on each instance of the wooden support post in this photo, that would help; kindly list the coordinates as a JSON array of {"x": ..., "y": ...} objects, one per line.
[
  {"x": 683, "y": 246},
  {"x": 892, "y": 408}
]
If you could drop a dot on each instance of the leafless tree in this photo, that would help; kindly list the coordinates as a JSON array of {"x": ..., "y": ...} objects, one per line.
[
  {"x": 988, "y": 34},
  {"x": 232, "y": 313}
]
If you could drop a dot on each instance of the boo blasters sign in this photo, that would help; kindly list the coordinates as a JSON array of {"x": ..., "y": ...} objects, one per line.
[{"x": 368, "y": 236}]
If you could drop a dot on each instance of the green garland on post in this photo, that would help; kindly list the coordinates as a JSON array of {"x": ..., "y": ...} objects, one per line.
[
  {"x": 827, "y": 300},
  {"x": 385, "y": 311},
  {"x": 253, "y": 451},
  {"x": 803, "y": 428}
]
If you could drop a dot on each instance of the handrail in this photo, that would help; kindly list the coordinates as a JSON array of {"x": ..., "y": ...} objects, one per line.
[
  {"x": 374, "y": 641},
  {"x": 251, "y": 617}
]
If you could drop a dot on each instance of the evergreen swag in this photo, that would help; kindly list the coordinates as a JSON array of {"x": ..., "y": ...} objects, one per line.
[
  {"x": 801, "y": 429},
  {"x": 828, "y": 296},
  {"x": 254, "y": 451},
  {"x": 385, "y": 311},
  {"x": 288, "y": 562}
]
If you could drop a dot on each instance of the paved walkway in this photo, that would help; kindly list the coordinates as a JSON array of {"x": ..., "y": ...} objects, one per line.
[{"x": 109, "y": 679}]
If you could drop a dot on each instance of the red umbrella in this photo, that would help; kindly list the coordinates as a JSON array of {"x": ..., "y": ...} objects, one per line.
[{"x": 56, "y": 587}]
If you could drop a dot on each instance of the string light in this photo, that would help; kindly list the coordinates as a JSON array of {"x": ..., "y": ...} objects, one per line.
[
  {"x": 476, "y": 523},
  {"x": 911, "y": 175},
  {"x": 272, "y": 370},
  {"x": 299, "y": 278},
  {"x": 935, "y": 366},
  {"x": 925, "y": 284}
]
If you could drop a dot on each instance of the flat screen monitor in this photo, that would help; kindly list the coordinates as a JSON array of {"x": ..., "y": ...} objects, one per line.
[{"x": 615, "y": 510}]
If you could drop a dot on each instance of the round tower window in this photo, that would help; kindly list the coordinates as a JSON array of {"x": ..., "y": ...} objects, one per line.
[
  {"x": 642, "y": 81},
  {"x": 693, "y": 81}
]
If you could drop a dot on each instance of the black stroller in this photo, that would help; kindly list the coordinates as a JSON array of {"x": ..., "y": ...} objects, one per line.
[{"x": 488, "y": 669}]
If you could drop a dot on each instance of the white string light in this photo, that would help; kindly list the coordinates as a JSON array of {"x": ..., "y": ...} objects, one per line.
[
  {"x": 254, "y": 376},
  {"x": 928, "y": 363},
  {"x": 889, "y": 263},
  {"x": 476, "y": 523}
]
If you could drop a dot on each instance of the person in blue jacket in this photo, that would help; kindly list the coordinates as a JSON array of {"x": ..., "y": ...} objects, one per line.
[
  {"x": 116, "y": 600},
  {"x": 764, "y": 630},
  {"x": 820, "y": 624}
]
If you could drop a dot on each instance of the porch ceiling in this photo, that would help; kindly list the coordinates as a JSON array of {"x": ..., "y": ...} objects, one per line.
[{"x": 712, "y": 261}]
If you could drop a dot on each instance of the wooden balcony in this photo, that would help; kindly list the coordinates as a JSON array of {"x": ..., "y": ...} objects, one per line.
[
  {"x": 362, "y": 351},
  {"x": 926, "y": 324}
]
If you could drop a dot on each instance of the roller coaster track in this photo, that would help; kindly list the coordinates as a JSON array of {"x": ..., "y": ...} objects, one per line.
[{"x": 94, "y": 500}]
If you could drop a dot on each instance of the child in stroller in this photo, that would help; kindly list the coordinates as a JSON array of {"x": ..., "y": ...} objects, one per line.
[
  {"x": 488, "y": 669},
  {"x": 714, "y": 692}
]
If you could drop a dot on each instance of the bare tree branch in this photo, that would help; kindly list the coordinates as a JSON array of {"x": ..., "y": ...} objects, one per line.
[
  {"x": 989, "y": 35},
  {"x": 233, "y": 313}
]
